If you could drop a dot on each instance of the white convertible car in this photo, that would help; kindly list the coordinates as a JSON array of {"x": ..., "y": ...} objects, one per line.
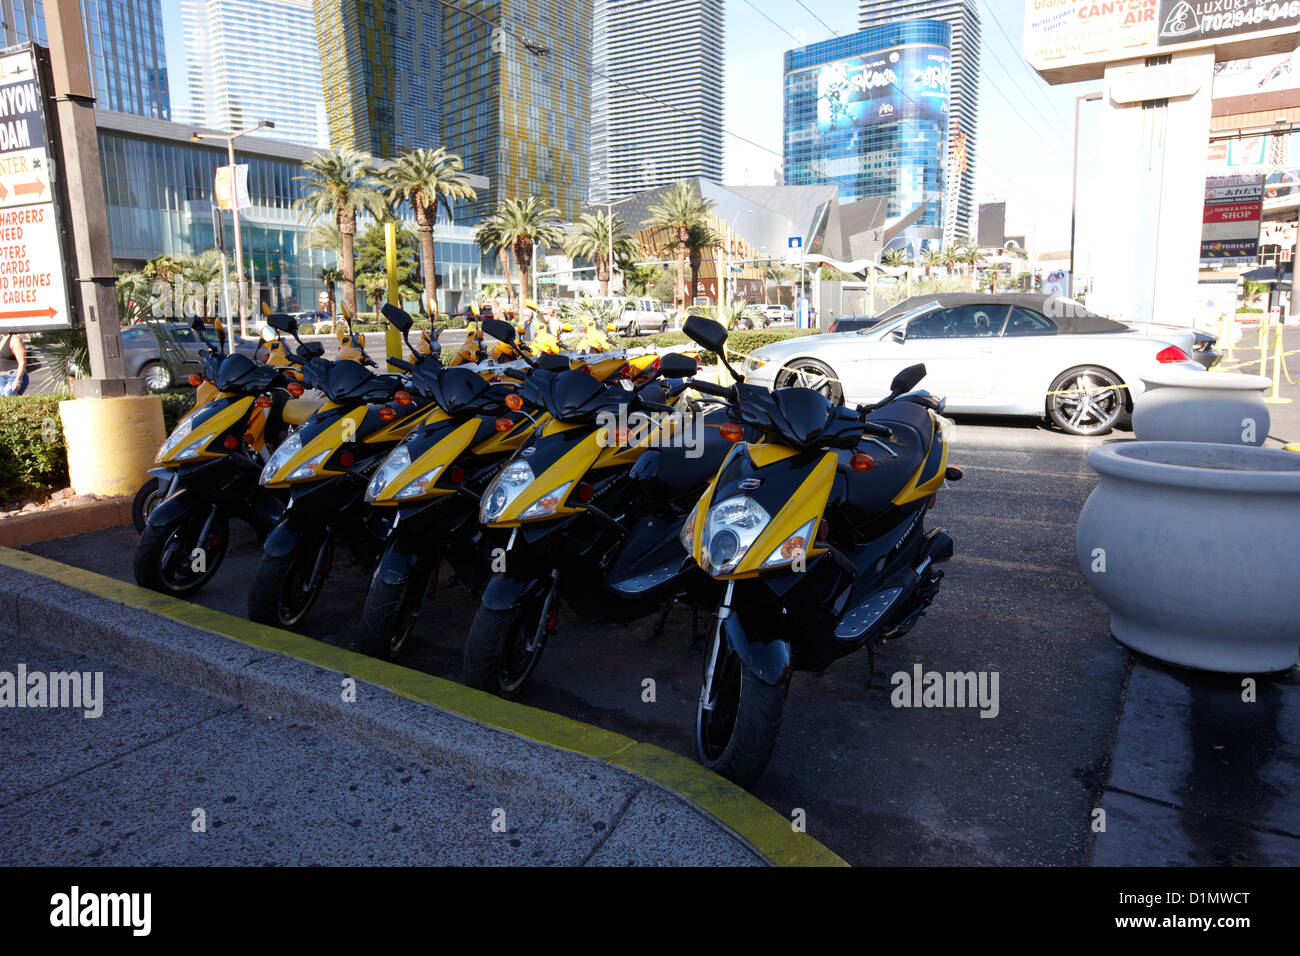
[{"x": 1013, "y": 354}]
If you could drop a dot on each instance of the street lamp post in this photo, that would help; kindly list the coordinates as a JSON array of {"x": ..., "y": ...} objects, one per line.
[
  {"x": 609, "y": 212},
  {"x": 1074, "y": 190},
  {"x": 234, "y": 209},
  {"x": 723, "y": 297}
]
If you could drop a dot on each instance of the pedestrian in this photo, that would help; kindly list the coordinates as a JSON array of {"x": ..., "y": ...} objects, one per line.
[{"x": 13, "y": 365}]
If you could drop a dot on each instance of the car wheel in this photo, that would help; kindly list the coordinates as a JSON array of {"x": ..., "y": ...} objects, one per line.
[
  {"x": 1087, "y": 400},
  {"x": 157, "y": 376},
  {"x": 810, "y": 373}
]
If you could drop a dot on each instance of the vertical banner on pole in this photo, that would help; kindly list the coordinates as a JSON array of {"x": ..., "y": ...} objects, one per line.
[{"x": 392, "y": 338}]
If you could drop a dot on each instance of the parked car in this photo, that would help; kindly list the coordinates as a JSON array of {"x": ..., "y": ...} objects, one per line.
[
  {"x": 636, "y": 315},
  {"x": 309, "y": 320},
  {"x": 777, "y": 312},
  {"x": 852, "y": 323},
  {"x": 1008, "y": 354},
  {"x": 163, "y": 368}
]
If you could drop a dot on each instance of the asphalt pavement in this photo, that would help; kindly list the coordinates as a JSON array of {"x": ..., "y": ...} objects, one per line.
[{"x": 1081, "y": 723}]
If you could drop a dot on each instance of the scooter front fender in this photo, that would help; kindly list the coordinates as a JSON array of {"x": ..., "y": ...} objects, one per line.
[
  {"x": 179, "y": 504},
  {"x": 398, "y": 562},
  {"x": 505, "y": 591},
  {"x": 769, "y": 660},
  {"x": 287, "y": 537}
]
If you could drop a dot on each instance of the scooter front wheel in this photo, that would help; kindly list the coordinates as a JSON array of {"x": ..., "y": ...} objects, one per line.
[
  {"x": 147, "y": 498},
  {"x": 181, "y": 557},
  {"x": 504, "y": 647},
  {"x": 286, "y": 586},
  {"x": 391, "y": 611},
  {"x": 738, "y": 716}
]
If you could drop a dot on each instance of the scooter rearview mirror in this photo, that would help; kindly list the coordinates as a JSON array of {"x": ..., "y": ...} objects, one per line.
[
  {"x": 398, "y": 317},
  {"x": 907, "y": 379},
  {"x": 282, "y": 322},
  {"x": 677, "y": 365},
  {"x": 500, "y": 330},
  {"x": 705, "y": 332}
]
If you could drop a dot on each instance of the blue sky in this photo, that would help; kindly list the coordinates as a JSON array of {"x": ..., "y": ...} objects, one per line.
[{"x": 1026, "y": 126}]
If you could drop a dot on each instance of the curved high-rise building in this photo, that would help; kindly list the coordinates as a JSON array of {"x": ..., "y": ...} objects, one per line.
[
  {"x": 964, "y": 19},
  {"x": 656, "y": 94}
]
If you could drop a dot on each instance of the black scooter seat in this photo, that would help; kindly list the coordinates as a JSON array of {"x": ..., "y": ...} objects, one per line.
[{"x": 868, "y": 493}]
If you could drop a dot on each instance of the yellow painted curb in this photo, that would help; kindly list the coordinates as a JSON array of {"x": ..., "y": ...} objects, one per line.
[{"x": 769, "y": 833}]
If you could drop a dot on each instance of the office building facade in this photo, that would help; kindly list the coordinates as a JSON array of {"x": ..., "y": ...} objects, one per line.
[
  {"x": 963, "y": 18},
  {"x": 124, "y": 45},
  {"x": 384, "y": 72},
  {"x": 232, "y": 82},
  {"x": 656, "y": 94},
  {"x": 516, "y": 106},
  {"x": 868, "y": 113}
]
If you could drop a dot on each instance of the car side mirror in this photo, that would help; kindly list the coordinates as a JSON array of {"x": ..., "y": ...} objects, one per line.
[
  {"x": 899, "y": 334},
  {"x": 907, "y": 379},
  {"x": 282, "y": 322},
  {"x": 503, "y": 331},
  {"x": 677, "y": 365},
  {"x": 711, "y": 335},
  {"x": 398, "y": 317}
]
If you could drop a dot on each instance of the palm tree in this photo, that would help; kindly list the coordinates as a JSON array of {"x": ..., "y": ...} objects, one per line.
[
  {"x": 897, "y": 258},
  {"x": 591, "y": 240},
  {"x": 338, "y": 186},
  {"x": 680, "y": 210},
  {"x": 488, "y": 236},
  {"x": 931, "y": 258},
  {"x": 972, "y": 257},
  {"x": 427, "y": 179},
  {"x": 950, "y": 259},
  {"x": 331, "y": 276},
  {"x": 700, "y": 238},
  {"x": 526, "y": 224}
]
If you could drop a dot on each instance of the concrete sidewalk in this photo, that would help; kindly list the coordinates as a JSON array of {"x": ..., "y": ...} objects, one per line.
[{"x": 284, "y": 770}]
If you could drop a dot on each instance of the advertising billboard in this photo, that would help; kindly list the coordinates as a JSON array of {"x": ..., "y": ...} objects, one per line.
[
  {"x": 1230, "y": 219},
  {"x": 1061, "y": 34},
  {"x": 908, "y": 82}
]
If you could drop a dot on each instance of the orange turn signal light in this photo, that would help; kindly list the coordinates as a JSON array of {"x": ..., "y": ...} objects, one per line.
[
  {"x": 731, "y": 432},
  {"x": 504, "y": 424},
  {"x": 263, "y": 401},
  {"x": 294, "y": 388},
  {"x": 402, "y": 398},
  {"x": 196, "y": 380},
  {"x": 230, "y": 442},
  {"x": 514, "y": 402},
  {"x": 861, "y": 462},
  {"x": 387, "y": 414}
]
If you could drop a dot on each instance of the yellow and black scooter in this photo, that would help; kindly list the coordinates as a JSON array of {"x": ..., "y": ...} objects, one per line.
[
  {"x": 818, "y": 534},
  {"x": 593, "y": 504},
  {"x": 324, "y": 467},
  {"x": 206, "y": 472}
]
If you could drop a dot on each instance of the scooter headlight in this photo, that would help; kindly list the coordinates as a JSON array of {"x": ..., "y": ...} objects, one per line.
[
  {"x": 393, "y": 465},
  {"x": 174, "y": 439},
  {"x": 308, "y": 469},
  {"x": 418, "y": 486},
  {"x": 505, "y": 487},
  {"x": 729, "y": 530},
  {"x": 792, "y": 548},
  {"x": 288, "y": 448},
  {"x": 687, "y": 537},
  {"x": 547, "y": 503}
]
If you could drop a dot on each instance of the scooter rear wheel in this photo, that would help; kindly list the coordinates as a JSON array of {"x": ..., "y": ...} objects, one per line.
[
  {"x": 497, "y": 657},
  {"x": 735, "y": 737}
]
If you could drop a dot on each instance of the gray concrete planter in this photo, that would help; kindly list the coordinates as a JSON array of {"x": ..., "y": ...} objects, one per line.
[
  {"x": 1191, "y": 546},
  {"x": 1180, "y": 405}
]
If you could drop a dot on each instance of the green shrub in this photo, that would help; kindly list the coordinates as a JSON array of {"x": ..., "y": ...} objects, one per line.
[{"x": 33, "y": 456}]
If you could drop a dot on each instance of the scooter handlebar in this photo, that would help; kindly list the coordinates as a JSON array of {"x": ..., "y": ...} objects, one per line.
[{"x": 709, "y": 388}]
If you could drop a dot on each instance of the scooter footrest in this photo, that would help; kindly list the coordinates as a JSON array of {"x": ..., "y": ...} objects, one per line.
[
  {"x": 860, "y": 618},
  {"x": 646, "y": 580}
]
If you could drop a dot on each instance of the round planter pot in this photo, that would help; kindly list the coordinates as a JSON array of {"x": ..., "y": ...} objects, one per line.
[
  {"x": 1180, "y": 405},
  {"x": 1189, "y": 545}
]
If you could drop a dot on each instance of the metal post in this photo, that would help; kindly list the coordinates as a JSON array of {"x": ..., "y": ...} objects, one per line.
[
  {"x": 239, "y": 245},
  {"x": 392, "y": 338},
  {"x": 1074, "y": 188},
  {"x": 225, "y": 278},
  {"x": 88, "y": 212}
]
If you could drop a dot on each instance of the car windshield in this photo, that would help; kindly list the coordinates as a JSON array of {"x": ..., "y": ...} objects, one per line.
[{"x": 890, "y": 324}]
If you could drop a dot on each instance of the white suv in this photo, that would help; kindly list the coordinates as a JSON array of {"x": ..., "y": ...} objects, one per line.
[{"x": 641, "y": 315}]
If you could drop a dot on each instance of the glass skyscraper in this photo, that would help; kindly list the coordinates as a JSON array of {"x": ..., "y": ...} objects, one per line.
[
  {"x": 656, "y": 94},
  {"x": 234, "y": 84},
  {"x": 517, "y": 100},
  {"x": 383, "y": 70},
  {"x": 124, "y": 44},
  {"x": 963, "y": 17},
  {"x": 868, "y": 112}
]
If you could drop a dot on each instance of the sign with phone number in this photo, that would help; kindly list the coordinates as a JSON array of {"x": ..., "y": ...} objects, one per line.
[{"x": 1185, "y": 21}]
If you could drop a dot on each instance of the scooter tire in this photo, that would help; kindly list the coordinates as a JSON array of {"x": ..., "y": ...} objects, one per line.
[
  {"x": 266, "y": 604},
  {"x": 151, "y": 553},
  {"x": 492, "y": 639},
  {"x": 146, "y": 499},
  {"x": 757, "y": 723},
  {"x": 389, "y": 615}
]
